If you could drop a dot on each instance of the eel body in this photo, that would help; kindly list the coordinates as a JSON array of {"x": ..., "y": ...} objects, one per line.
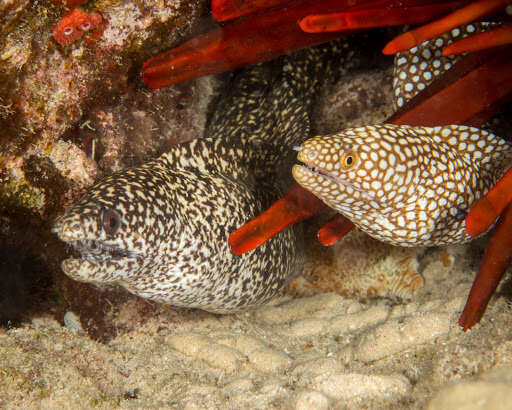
[
  {"x": 408, "y": 186},
  {"x": 416, "y": 69},
  {"x": 160, "y": 230}
]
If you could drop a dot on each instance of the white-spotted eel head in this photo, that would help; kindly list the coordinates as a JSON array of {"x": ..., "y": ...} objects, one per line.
[
  {"x": 359, "y": 168},
  {"x": 111, "y": 228},
  {"x": 332, "y": 171},
  {"x": 401, "y": 184}
]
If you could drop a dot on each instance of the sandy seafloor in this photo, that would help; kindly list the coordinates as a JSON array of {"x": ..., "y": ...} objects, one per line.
[
  {"x": 311, "y": 349},
  {"x": 316, "y": 352}
]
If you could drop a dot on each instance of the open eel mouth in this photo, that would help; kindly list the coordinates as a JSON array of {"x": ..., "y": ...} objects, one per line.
[
  {"x": 98, "y": 262},
  {"x": 98, "y": 251},
  {"x": 308, "y": 172},
  {"x": 95, "y": 250}
]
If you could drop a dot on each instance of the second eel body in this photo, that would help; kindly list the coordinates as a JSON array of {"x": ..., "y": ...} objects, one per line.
[{"x": 160, "y": 229}]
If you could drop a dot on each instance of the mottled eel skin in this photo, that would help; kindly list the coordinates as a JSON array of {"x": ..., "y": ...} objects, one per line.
[
  {"x": 408, "y": 186},
  {"x": 160, "y": 229}
]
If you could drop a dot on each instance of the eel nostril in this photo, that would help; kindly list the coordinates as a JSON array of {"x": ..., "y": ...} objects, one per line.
[{"x": 312, "y": 155}]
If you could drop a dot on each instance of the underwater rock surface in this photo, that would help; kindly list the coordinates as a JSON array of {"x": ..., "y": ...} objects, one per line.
[
  {"x": 323, "y": 351},
  {"x": 70, "y": 114}
]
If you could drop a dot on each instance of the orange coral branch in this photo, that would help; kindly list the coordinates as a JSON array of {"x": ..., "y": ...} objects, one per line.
[
  {"x": 244, "y": 41},
  {"x": 496, "y": 258},
  {"x": 297, "y": 204},
  {"x": 252, "y": 39},
  {"x": 464, "y": 15},
  {"x": 480, "y": 41},
  {"x": 223, "y": 10},
  {"x": 483, "y": 214},
  {"x": 368, "y": 18},
  {"x": 334, "y": 230}
]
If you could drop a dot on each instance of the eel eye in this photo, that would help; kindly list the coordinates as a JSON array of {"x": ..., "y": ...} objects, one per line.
[
  {"x": 68, "y": 31},
  {"x": 111, "y": 221},
  {"x": 349, "y": 160},
  {"x": 85, "y": 26}
]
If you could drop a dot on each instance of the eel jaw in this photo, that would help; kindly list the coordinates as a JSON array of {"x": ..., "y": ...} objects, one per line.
[
  {"x": 99, "y": 262},
  {"x": 304, "y": 170},
  {"x": 108, "y": 271},
  {"x": 93, "y": 251}
]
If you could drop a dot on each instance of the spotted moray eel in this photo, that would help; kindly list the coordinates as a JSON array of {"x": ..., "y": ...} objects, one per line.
[
  {"x": 160, "y": 230},
  {"x": 408, "y": 186}
]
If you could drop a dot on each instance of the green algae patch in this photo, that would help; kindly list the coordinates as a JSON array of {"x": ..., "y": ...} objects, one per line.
[{"x": 17, "y": 195}]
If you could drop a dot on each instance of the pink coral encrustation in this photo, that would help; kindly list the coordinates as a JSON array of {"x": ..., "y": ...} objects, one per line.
[{"x": 74, "y": 24}]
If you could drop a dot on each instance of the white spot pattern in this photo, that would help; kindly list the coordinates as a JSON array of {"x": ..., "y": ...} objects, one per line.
[
  {"x": 414, "y": 68},
  {"x": 411, "y": 186}
]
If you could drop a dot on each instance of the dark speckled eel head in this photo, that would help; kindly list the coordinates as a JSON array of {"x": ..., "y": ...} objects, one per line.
[
  {"x": 160, "y": 229},
  {"x": 409, "y": 186}
]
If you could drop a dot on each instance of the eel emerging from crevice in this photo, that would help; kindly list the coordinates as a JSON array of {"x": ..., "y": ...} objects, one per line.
[{"x": 160, "y": 229}]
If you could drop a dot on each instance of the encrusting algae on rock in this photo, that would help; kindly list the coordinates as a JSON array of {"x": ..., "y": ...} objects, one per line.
[
  {"x": 46, "y": 89},
  {"x": 362, "y": 267}
]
